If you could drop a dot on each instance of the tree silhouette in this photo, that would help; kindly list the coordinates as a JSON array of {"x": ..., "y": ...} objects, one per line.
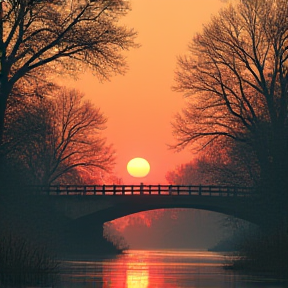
[
  {"x": 235, "y": 80},
  {"x": 231, "y": 165},
  {"x": 52, "y": 138},
  {"x": 61, "y": 36}
]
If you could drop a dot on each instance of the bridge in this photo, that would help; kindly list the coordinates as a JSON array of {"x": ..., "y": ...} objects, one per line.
[
  {"x": 179, "y": 190},
  {"x": 104, "y": 203},
  {"x": 88, "y": 207}
]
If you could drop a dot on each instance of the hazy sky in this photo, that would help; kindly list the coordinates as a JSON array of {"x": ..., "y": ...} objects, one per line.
[{"x": 140, "y": 105}]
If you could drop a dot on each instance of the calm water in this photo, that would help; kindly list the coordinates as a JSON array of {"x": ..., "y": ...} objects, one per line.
[{"x": 157, "y": 269}]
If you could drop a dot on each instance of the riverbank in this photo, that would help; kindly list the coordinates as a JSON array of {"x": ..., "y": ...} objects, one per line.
[
  {"x": 34, "y": 236},
  {"x": 259, "y": 253}
]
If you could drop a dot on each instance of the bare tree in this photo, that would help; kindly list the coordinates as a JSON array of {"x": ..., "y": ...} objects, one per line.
[
  {"x": 41, "y": 37},
  {"x": 235, "y": 79},
  {"x": 58, "y": 139},
  {"x": 227, "y": 164},
  {"x": 187, "y": 174}
]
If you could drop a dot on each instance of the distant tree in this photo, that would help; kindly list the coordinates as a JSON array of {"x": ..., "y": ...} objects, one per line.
[
  {"x": 229, "y": 163},
  {"x": 219, "y": 165},
  {"x": 113, "y": 235},
  {"x": 188, "y": 174},
  {"x": 235, "y": 79},
  {"x": 60, "y": 36},
  {"x": 99, "y": 177},
  {"x": 58, "y": 138}
]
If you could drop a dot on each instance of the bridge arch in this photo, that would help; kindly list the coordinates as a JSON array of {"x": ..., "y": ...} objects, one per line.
[
  {"x": 87, "y": 210},
  {"x": 109, "y": 202},
  {"x": 88, "y": 229},
  {"x": 232, "y": 207}
]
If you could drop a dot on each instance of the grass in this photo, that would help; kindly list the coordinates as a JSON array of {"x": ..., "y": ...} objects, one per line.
[{"x": 22, "y": 263}]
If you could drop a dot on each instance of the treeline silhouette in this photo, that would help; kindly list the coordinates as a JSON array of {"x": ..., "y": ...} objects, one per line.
[
  {"x": 235, "y": 80},
  {"x": 49, "y": 134}
]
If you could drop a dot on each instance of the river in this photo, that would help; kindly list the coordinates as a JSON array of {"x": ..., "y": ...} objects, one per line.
[{"x": 158, "y": 269}]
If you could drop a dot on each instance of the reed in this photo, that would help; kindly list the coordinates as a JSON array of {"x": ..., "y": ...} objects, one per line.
[{"x": 23, "y": 263}]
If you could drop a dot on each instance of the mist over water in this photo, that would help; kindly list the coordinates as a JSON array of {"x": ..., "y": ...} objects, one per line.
[{"x": 171, "y": 228}]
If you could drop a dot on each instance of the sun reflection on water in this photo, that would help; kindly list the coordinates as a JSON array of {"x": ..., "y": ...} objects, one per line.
[
  {"x": 148, "y": 269},
  {"x": 137, "y": 278},
  {"x": 144, "y": 269}
]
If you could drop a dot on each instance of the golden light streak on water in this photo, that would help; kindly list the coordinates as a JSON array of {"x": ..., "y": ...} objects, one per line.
[
  {"x": 157, "y": 268},
  {"x": 137, "y": 276}
]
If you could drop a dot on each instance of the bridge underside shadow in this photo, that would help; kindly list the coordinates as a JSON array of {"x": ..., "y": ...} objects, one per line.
[
  {"x": 87, "y": 229},
  {"x": 239, "y": 208}
]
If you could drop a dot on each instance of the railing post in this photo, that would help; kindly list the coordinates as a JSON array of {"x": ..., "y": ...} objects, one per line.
[
  {"x": 132, "y": 189},
  {"x": 84, "y": 190},
  {"x": 123, "y": 190},
  {"x": 141, "y": 188},
  {"x": 170, "y": 189},
  {"x": 159, "y": 189},
  {"x": 103, "y": 189},
  {"x": 200, "y": 190},
  {"x": 114, "y": 189}
]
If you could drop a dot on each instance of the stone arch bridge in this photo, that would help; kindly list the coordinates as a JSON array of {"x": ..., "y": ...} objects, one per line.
[
  {"x": 102, "y": 203},
  {"x": 88, "y": 207}
]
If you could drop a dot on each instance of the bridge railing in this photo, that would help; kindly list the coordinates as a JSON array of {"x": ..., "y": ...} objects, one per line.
[{"x": 164, "y": 190}]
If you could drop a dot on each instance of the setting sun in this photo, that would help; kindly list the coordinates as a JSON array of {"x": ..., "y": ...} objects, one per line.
[{"x": 138, "y": 167}]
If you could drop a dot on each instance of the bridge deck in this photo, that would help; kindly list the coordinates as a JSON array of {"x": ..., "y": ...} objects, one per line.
[{"x": 165, "y": 190}]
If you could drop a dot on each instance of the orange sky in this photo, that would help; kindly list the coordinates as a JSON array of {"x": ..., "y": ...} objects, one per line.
[{"x": 140, "y": 105}]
